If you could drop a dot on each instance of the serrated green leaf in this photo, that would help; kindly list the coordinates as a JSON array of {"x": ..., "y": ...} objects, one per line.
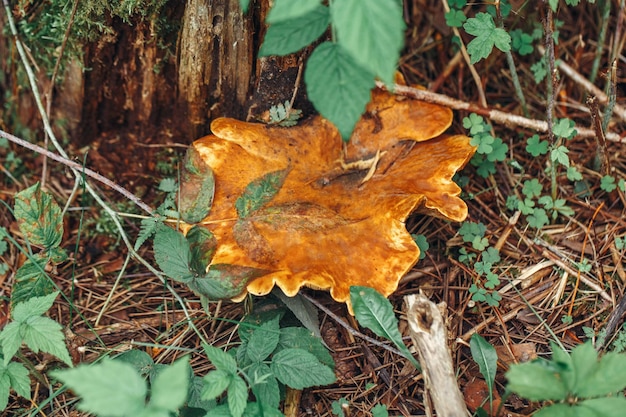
[
  {"x": 215, "y": 383},
  {"x": 559, "y": 154},
  {"x": 33, "y": 307},
  {"x": 303, "y": 309},
  {"x": 172, "y": 254},
  {"x": 197, "y": 188},
  {"x": 379, "y": 410},
  {"x": 455, "y": 18},
  {"x": 5, "y": 389},
  {"x": 288, "y": 9},
  {"x": 300, "y": 369},
  {"x": 237, "y": 396},
  {"x": 224, "y": 281},
  {"x": 602, "y": 407},
  {"x": 220, "y": 359},
  {"x": 536, "y": 381},
  {"x": 260, "y": 192},
  {"x": 140, "y": 360},
  {"x": 31, "y": 281},
  {"x": 20, "y": 382},
  {"x": 338, "y": 86},
  {"x": 595, "y": 378},
  {"x": 536, "y": 146},
  {"x": 286, "y": 36},
  {"x": 266, "y": 391},
  {"x": 168, "y": 391},
  {"x": 372, "y": 32},
  {"x": 263, "y": 341},
  {"x": 98, "y": 384},
  {"x": 10, "y": 341},
  {"x": 374, "y": 311},
  {"x": 39, "y": 217},
  {"x": 202, "y": 246},
  {"x": 300, "y": 338},
  {"x": 194, "y": 399},
  {"x": 487, "y": 35},
  {"x": 45, "y": 334},
  {"x": 487, "y": 359}
]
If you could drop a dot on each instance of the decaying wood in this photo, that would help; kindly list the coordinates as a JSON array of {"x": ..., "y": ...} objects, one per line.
[
  {"x": 215, "y": 61},
  {"x": 426, "y": 326}
]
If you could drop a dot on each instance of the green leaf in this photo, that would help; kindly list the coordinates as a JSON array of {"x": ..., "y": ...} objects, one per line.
[
  {"x": 33, "y": 307},
  {"x": 148, "y": 227},
  {"x": 559, "y": 154},
  {"x": 487, "y": 359},
  {"x": 372, "y": 32},
  {"x": 263, "y": 341},
  {"x": 538, "y": 219},
  {"x": 172, "y": 254},
  {"x": 379, "y": 410},
  {"x": 98, "y": 384},
  {"x": 220, "y": 359},
  {"x": 338, "y": 86},
  {"x": 194, "y": 399},
  {"x": 288, "y": 9},
  {"x": 303, "y": 309},
  {"x": 601, "y": 407},
  {"x": 593, "y": 378},
  {"x": 574, "y": 174},
  {"x": 300, "y": 369},
  {"x": 237, "y": 396},
  {"x": 455, "y": 18},
  {"x": 374, "y": 311},
  {"x": 521, "y": 42},
  {"x": 168, "y": 391},
  {"x": 202, "y": 247},
  {"x": 422, "y": 244},
  {"x": 197, "y": 188},
  {"x": 300, "y": 338},
  {"x": 260, "y": 192},
  {"x": 536, "y": 381},
  {"x": 224, "y": 281},
  {"x": 475, "y": 123},
  {"x": 31, "y": 281},
  {"x": 532, "y": 188},
  {"x": 45, "y": 334},
  {"x": 215, "y": 383},
  {"x": 140, "y": 360},
  {"x": 39, "y": 217},
  {"x": 285, "y": 36},
  {"x": 607, "y": 183},
  {"x": 487, "y": 35},
  {"x": 18, "y": 375},
  {"x": 266, "y": 391},
  {"x": 536, "y": 146},
  {"x": 564, "y": 128}
]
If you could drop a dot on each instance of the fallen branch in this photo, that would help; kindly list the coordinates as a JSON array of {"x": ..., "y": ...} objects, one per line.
[
  {"x": 497, "y": 116},
  {"x": 428, "y": 334}
]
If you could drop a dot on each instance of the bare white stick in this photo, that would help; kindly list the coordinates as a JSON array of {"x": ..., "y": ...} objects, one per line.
[{"x": 428, "y": 333}]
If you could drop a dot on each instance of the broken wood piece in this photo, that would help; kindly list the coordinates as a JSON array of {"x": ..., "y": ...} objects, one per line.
[{"x": 428, "y": 333}]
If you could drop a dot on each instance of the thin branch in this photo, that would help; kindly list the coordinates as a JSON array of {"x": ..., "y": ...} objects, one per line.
[
  {"x": 78, "y": 167},
  {"x": 497, "y": 116}
]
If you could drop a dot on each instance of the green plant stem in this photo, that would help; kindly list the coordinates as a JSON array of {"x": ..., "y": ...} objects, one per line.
[
  {"x": 550, "y": 90},
  {"x": 78, "y": 174},
  {"x": 604, "y": 24},
  {"x": 511, "y": 63}
]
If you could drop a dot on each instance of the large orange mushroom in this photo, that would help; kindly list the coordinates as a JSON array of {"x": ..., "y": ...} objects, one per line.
[{"x": 297, "y": 207}]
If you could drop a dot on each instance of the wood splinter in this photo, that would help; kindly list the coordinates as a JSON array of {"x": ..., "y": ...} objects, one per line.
[{"x": 428, "y": 333}]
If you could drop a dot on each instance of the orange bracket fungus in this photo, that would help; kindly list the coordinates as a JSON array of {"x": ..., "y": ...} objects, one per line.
[{"x": 266, "y": 205}]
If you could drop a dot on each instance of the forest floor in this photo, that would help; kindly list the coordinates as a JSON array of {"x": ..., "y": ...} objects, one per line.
[{"x": 564, "y": 279}]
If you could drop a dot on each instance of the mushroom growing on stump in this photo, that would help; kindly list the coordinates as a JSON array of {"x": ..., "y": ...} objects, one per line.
[{"x": 297, "y": 207}]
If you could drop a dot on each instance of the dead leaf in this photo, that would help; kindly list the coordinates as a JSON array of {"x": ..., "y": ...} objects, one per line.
[
  {"x": 308, "y": 210},
  {"x": 476, "y": 395}
]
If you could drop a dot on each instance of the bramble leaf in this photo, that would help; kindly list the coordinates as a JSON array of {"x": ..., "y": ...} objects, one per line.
[
  {"x": 172, "y": 254},
  {"x": 169, "y": 388},
  {"x": 39, "y": 217},
  {"x": 97, "y": 384},
  {"x": 263, "y": 341},
  {"x": 287, "y": 35},
  {"x": 259, "y": 192},
  {"x": 338, "y": 86},
  {"x": 300, "y": 369},
  {"x": 372, "y": 32},
  {"x": 237, "y": 396},
  {"x": 31, "y": 281},
  {"x": 487, "y": 36}
]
